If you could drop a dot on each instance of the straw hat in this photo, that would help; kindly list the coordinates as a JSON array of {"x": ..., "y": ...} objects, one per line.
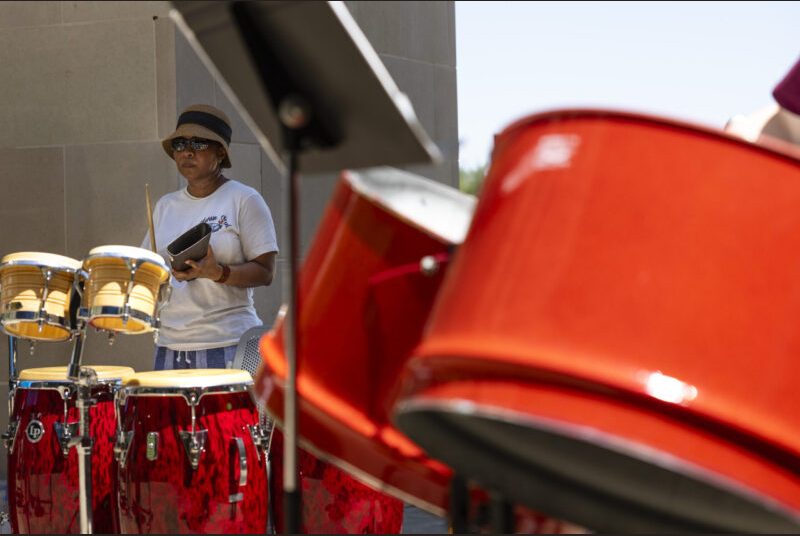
[{"x": 202, "y": 121}]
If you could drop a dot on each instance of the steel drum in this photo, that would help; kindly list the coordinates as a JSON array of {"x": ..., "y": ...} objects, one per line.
[
  {"x": 616, "y": 341},
  {"x": 366, "y": 289}
]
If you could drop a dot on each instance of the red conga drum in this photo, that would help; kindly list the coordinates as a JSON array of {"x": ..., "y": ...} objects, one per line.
[
  {"x": 43, "y": 488},
  {"x": 188, "y": 461},
  {"x": 616, "y": 342}
]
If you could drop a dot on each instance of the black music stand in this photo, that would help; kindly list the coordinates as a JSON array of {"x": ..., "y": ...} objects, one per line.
[{"x": 305, "y": 79}]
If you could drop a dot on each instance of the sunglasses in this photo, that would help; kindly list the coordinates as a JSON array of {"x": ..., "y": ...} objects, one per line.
[{"x": 196, "y": 144}]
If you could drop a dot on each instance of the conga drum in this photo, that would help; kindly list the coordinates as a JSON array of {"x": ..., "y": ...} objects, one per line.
[
  {"x": 123, "y": 288},
  {"x": 366, "y": 289},
  {"x": 35, "y": 293},
  {"x": 615, "y": 343},
  {"x": 187, "y": 457},
  {"x": 43, "y": 490}
]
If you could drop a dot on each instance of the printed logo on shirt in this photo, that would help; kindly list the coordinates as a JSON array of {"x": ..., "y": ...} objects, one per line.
[{"x": 216, "y": 223}]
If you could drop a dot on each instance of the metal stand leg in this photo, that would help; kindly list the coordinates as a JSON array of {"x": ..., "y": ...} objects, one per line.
[
  {"x": 459, "y": 505},
  {"x": 11, "y": 433},
  {"x": 502, "y": 514},
  {"x": 84, "y": 443},
  {"x": 85, "y": 379},
  {"x": 12, "y": 373}
]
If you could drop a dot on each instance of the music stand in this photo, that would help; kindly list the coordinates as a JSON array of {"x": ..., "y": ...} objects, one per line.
[{"x": 307, "y": 81}]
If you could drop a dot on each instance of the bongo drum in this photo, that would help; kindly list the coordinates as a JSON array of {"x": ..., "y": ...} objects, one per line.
[
  {"x": 35, "y": 291},
  {"x": 122, "y": 288},
  {"x": 43, "y": 489},
  {"x": 187, "y": 461},
  {"x": 615, "y": 343}
]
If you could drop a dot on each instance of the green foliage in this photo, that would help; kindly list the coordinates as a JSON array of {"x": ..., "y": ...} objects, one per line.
[{"x": 470, "y": 179}]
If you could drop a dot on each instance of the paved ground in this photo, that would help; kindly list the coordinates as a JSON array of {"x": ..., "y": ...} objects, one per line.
[
  {"x": 416, "y": 521},
  {"x": 5, "y": 528}
]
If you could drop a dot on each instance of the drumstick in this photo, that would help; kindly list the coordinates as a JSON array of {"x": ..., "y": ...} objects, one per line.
[{"x": 150, "y": 218}]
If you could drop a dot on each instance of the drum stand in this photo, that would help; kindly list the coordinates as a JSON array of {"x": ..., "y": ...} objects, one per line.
[
  {"x": 12, "y": 387},
  {"x": 11, "y": 433},
  {"x": 84, "y": 378},
  {"x": 501, "y": 511}
]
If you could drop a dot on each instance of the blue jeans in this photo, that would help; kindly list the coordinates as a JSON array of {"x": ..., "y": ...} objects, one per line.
[{"x": 166, "y": 359}]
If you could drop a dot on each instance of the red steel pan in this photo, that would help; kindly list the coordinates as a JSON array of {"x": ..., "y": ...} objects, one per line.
[
  {"x": 365, "y": 296},
  {"x": 616, "y": 341},
  {"x": 367, "y": 287}
]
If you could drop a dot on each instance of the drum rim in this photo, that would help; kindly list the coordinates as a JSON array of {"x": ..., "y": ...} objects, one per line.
[
  {"x": 187, "y": 375},
  {"x": 111, "y": 311},
  {"x": 408, "y": 408},
  {"x": 29, "y": 317},
  {"x": 41, "y": 264},
  {"x": 104, "y": 369},
  {"x": 361, "y": 181},
  {"x": 57, "y": 385},
  {"x": 187, "y": 393},
  {"x": 779, "y": 149},
  {"x": 100, "y": 253}
]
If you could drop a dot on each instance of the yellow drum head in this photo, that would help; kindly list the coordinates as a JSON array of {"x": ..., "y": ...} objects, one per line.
[
  {"x": 188, "y": 378},
  {"x": 104, "y": 372}
]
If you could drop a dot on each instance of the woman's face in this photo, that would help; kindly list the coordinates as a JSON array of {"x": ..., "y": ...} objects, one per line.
[{"x": 199, "y": 164}]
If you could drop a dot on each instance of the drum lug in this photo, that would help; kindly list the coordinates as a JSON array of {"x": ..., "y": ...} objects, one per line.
[
  {"x": 122, "y": 447},
  {"x": 164, "y": 295},
  {"x": 67, "y": 434},
  {"x": 47, "y": 273},
  {"x": 10, "y": 436},
  {"x": 126, "y": 313},
  {"x": 195, "y": 443},
  {"x": 152, "y": 446},
  {"x": 260, "y": 437}
]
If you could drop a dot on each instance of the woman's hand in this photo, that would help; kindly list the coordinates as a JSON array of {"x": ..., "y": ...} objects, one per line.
[{"x": 207, "y": 267}]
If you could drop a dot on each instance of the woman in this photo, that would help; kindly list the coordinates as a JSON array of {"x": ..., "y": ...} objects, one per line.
[{"x": 211, "y": 304}]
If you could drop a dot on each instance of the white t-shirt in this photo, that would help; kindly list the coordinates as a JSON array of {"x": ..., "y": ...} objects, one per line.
[{"x": 203, "y": 314}]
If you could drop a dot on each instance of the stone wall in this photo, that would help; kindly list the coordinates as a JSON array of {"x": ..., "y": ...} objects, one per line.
[{"x": 91, "y": 88}]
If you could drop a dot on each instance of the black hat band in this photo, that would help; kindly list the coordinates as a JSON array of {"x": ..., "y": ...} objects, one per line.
[{"x": 211, "y": 122}]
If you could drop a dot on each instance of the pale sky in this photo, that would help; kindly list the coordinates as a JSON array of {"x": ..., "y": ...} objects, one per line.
[{"x": 698, "y": 61}]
